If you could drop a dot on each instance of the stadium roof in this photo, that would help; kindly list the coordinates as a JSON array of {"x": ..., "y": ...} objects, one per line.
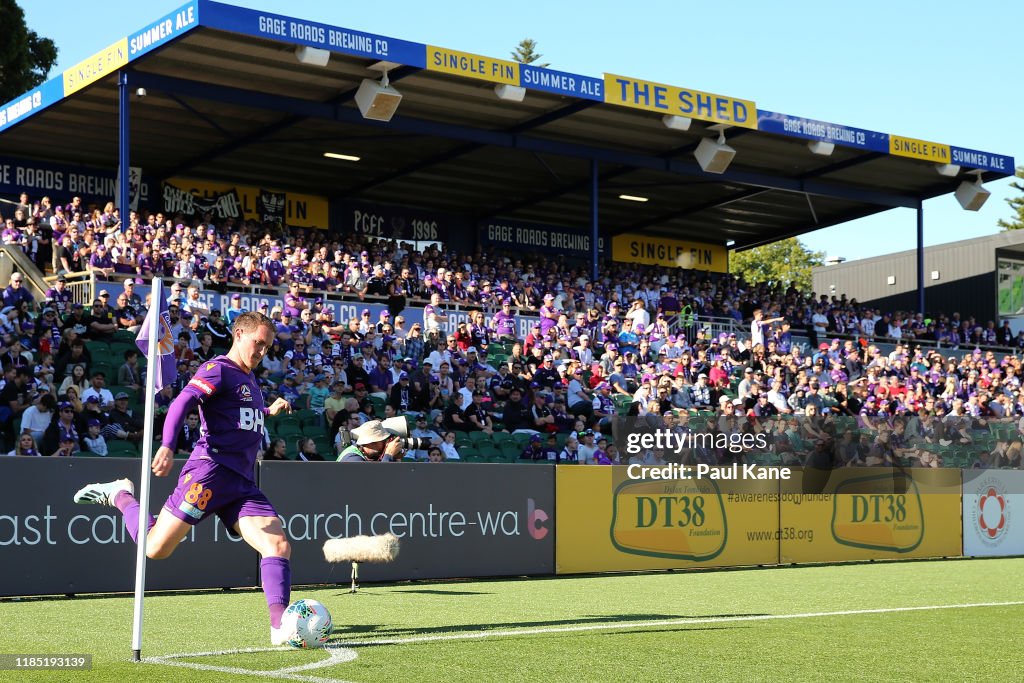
[{"x": 228, "y": 100}]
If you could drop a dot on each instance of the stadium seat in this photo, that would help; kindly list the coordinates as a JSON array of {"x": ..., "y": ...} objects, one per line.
[
  {"x": 97, "y": 349},
  {"x": 121, "y": 449},
  {"x": 307, "y": 416},
  {"x": 480, "y": 437},
  {"x": 288, "y": 432},
  {"x": 325, "y": 447},
  {"x": 521, "y": 439},
  {"x": 314, "y": 430},
  {"x": 501, "y": 438},
  {"x": 117, "y": 349},
  {"x": 103, "y": 366}
]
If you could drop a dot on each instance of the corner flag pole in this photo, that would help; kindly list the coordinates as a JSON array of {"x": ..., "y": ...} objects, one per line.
[{"x": 154, "y": 321}]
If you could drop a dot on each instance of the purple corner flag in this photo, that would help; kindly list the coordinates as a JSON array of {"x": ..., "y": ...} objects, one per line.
[{"x": 166, "y": 371}]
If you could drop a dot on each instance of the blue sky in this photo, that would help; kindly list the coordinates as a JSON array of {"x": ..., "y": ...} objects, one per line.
[{"x": 949, "y": 73}]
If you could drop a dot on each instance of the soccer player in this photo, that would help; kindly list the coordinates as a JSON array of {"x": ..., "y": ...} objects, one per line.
[{"x": 218, "y": 478}]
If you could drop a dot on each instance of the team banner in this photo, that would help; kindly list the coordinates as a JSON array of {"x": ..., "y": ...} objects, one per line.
[
  {"x": 240, "y": 202},
  {"x": 270, "y": 206},
  {"x": 343, "y": 311},
  {"x": 621, "y": 519},
  {"x": 50, "y": 545},
  {"x": 396, "y": 222},
  {"x": 220, "y": 205},
  {"x": 451, "y": 520},
  {"x": 866, "y": 513},
  {"x": 993, "y": 512}
]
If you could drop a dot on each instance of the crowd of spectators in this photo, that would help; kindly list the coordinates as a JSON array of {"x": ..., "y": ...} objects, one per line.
[{"x": 600, "y": 349}]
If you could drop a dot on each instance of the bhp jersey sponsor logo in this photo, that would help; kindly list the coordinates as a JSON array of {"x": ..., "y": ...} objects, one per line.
[
  {"x": 881, "y": 512},
  {"x": 680, "y": 519}
]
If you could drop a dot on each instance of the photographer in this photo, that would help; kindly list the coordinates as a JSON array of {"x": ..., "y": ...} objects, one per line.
[{"x": 373, "y": 443}]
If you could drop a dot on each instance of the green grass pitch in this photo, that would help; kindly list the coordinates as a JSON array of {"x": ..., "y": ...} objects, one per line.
[{"x": 793, "y": 624}]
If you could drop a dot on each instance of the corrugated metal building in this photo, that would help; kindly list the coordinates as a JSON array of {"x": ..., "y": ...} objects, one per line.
[{"x": 959, "y": 276}]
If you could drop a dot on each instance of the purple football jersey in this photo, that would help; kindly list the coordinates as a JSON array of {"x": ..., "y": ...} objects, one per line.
[{"x": 231, "y": 415}]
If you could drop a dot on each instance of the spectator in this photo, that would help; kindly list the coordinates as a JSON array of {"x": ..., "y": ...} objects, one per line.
[
  {"x": 100, "y": 322},
  {"x": 276, "y": 450},
  {"x": 453, "y": 415},
  {"x": 129, "y": 374},
  {"x": 98, "y": 388},
  {"x": 62, "y": 436},
  {"x": 16, "y": 293},
  {"x": 448, "y": 448},
  {"x": 423, "y": 431},
  {"x": 26, "y": 445},
  {"x": 93, "y": 440},
  {"x": 306, "y": 450},
  {"x": 37, "y": 417}
]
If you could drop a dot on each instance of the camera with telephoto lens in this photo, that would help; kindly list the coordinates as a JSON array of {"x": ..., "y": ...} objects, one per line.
[{"x": 397, "y": 426}]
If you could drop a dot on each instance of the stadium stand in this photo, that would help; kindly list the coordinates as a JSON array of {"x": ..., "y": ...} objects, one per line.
[{"x": 695, "y": 351}]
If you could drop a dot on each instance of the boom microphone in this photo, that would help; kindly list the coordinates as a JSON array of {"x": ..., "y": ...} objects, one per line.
[{"x": 361, "y": 549}]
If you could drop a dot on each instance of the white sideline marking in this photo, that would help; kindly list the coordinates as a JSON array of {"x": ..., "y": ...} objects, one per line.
[
  {"x": 622, "y": 626},
  {"x": 339, "y": 653}
]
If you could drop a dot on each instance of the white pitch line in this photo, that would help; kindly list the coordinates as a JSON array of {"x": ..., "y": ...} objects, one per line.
[
  {"x": 336, "y": 655},
  {"x": 339, "y": 653},
  {"x": 663, "y": 622}
]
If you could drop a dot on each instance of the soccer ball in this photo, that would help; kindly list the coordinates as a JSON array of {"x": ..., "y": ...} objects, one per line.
[{"x": 309, "y": 622}]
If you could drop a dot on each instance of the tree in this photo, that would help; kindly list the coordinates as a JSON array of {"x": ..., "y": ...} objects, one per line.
[
  {"x": 779, "y": 264},
  {"x": 1017, "y": 222},
  {"x": 25, "y": 58},
  {"x": 525, "y": 53}
]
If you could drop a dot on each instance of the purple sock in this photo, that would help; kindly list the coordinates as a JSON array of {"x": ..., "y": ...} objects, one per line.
[
  {"x": 276, "y": 577},
  {"x": 129, "y": 507}
]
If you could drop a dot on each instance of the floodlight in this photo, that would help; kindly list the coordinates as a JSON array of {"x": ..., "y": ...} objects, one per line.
[
  {"x": 377, "y": 101},
  {"x": 821, "y": 148},
  {"x": 673, "y": 122},
  {"x": 714, "y": 156},
  {"x": 971, "y": 195},
  {"x": 509, "y": 93},
  {"x": 312, "y": 56},
  {"x": 948, "y": 170}
]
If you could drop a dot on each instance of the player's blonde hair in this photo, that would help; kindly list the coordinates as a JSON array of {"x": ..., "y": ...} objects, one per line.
[{"x": 251, "y": 320}]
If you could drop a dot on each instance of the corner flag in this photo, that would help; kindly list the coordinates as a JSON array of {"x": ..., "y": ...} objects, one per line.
[
  {"x": 157, "y": 344},
  {"x": 163, "y": 364}
]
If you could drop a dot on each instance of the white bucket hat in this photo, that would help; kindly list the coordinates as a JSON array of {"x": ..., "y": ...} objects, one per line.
[{"x": 370, "y": 432}]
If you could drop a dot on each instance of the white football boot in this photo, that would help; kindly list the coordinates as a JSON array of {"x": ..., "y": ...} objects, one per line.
[{"x": 103, "y": 494}]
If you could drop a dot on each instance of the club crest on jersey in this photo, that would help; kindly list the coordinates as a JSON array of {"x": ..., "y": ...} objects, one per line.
[{"x": 244, "y": 393}]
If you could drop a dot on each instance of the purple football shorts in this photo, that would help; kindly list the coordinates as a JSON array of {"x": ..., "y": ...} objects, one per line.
[{"x": 205, "y": 488}]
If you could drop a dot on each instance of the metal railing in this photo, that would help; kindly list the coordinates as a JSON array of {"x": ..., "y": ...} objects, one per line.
[
  {"x": 12, "y": 258},
  {"x": 81, "y": 284}
]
